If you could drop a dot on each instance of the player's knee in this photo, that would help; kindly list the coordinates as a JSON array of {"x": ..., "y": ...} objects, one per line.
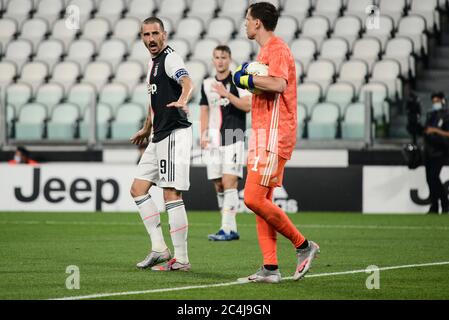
[
  {"x": 252, "y": 202},
  {"x": 137, "y": 191},
  {"x": 171, "y": 194}
]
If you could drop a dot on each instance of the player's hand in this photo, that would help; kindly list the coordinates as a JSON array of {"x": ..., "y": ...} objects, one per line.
[
  {"x": 241, "y": 79},
  {"x": 219, "y": 88},
  {"x": 204, "y": 142},
  {"x": 140, "y": 136},
  {"x": 179, "y": 104}
]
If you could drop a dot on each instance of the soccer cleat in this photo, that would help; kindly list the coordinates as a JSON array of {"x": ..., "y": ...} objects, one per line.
[
  {"x": 223, "y": 236},
  {"x": 154, "y": 258},
  {"x": 305, "y": 258},
  {"x": 172, "y": 265},
  {"x": 263, "y": 275}
]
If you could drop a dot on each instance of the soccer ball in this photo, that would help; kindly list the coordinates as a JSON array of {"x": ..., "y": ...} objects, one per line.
[{"x": 257, "y": 69}]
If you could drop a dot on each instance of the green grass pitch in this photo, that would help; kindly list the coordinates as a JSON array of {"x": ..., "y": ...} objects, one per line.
[{"x": 36, "y": 248}]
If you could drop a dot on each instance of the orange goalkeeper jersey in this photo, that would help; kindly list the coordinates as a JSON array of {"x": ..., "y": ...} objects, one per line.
[{"x": 274, "y": 116}]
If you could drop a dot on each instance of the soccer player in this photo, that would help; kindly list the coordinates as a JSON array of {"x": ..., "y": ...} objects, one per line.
[
  {"x": 166, "y": 161},
  {"x": 274, "y": 122},
  {"x": 222, "y": 119}
]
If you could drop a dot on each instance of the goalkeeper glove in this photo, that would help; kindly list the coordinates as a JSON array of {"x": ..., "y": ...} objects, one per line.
[{"x": 241, "y": 79}]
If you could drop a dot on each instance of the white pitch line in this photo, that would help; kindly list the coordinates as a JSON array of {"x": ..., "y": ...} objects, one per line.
[
  {"x": 206, "y": 286},
  {"x": 317, "y": 226}
]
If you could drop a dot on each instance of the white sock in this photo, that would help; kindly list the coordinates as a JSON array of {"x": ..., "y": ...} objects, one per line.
[
  {"x": 230, "y": 206},
  {"x": 152, "y": 220},
  {"x": 220, "y": 197},
  {"x": 177, "y": 218}
]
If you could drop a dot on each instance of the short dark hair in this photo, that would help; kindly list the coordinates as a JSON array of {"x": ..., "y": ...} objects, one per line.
[
  {"x": 265, "y": 12},
  {"x": 223, "y": 48},
  {"x": 439, "y": 95},
  {"x": 154, "y": 20}
]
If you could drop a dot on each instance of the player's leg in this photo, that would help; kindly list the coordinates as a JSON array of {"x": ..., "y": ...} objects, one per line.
[
  {"x": 148, "y": 172},
  {"x": 174, "y": 179}
]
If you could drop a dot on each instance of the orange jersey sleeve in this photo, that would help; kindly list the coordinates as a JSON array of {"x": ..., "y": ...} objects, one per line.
[{"x": 274, "y": 116}]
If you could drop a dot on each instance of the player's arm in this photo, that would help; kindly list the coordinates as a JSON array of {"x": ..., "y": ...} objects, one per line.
[
  {"x": 270, "y": 84},
  {"x": 440, "y": 132},
  {"x": 175, "y": 69},
  {"x": 144, "y": 133},
  {"x": 187, "y": 90},
  {"x": 242, "y": 103}
]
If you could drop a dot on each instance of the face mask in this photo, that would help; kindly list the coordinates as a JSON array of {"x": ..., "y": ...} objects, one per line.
[
  {"x": 17, "y": 159},
  {"x": 437, "y": 106}
]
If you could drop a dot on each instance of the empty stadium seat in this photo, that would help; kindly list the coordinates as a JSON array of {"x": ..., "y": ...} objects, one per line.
[
  {"x": 413, "y": 27},
  {"x": 81, "y": 52},
  {"x": 140, "y": 95},
  {"x": 141, "y": 9},
  {"x": 66, "y": 73},
  {"x": 335, "y": 50},
  {"x": 113, "y": 94},
  {"x": 8, "y": 28},
  {"x": 355, "y": 72},
  {"x": 393, "y": 8},
  {"x": 308, "y": 94},
  {"x": 111, "y": 10},
  {"x": 19, "y": 52},
  {"x": 241, "y": 49},
  {"x": 8, "y": 71},
  {"x": 86, "y": 8},
  {"x": 368, "y": 50},
  {"x": 348, "y": 28},
  {"x": 50, "y": 52},
  {"x": 112, "y": 51},
  {"x": 96, "y": 30},
  {"x": 62, "y": 33},
  {"x": 189, "y": 29},
  {"x": 401, "y": 49},
  {"x": 323, "y": 123},
  {"x": 203, "y": 9},
  {"x": 234, "y": 9},
  {"x": 304, "y": 49},
  {"x": 140, "y": 53},
  {"x": 340, "y": 93},
  {"x": 97, "y": 73},
  {"x": 220, "y": 29},
  {"x": 34, "y": 30},
  {"x": 329, "y": 9},
  {"x": 388, "y": 72},
  {"x": 17, "y": 95},
  {"x": 300, "y": 9},
  {"x": 172, "y": 9},
  {"x": 63, "y": 122},
  {"x": 30, "y": 124},
  {"x": 127, "y": 30},
  {"x": 286, "y": 28},
  {"x": 203, "y": 49},
  {"x": 129, "y": 73},
  {"x": 181, "y": 46},
  {"x": 83, "y": 95},
  {"x": 49, "y": 95},
  {"x": 197, "y": 70},
  {"x": 302, "y": 116},
  {"x": 49, "y": 10},
  {"x": 128, "y": 121},
  {"x": 383, "y": 33},
  {"x": 104, "y": 116},
  {"x": 34, "y": 73},
  {"x": 381, "y": 107},
  {"x": 10, "y": 121},
  {"x": 19, "y": 10},
  {"x": 357, "y": 8},
  {"x": 321, "y": 72},
  {"x": 317, "y": 28},
  {"x": 353, "y": 124},
  {"x": 428, "y": 10}
]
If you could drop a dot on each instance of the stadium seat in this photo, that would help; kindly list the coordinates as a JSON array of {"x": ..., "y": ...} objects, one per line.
[
  {"x": 181, "y": 46},
  {"x": 234, "y": 9},
  {"x": 321, "y": 72},
  {"x": 140, "y": 95},
  {"x": 317, "y": 28},
  {"x": 329, "y": 9},
  {"x": 62, "y": 33},
  {"x": 353, "y": 124},
  {"x": 300, "y": 9},
  {"x": 98, "y": 74},
  {"x": 302, "y": 117},
  {"x": 113, "y": 94},
  {"x": 129, "y": 73},
  {"x": 340, "y": 93},
  {"x": 140, "y": 53},
  {"x": 127, "y": 122},
  {"x": 197, "y": 70},
  {"x": 50, "y": 52},
  {"x": 111, "y": 10},
  {"x": 30, "y": 123},
  {"x": 49, "y": 95},
  {"x": 34, "y": 73},
  {"x": 335, "y": 50},
  {"x": 368, "y": 50},
  {"x": 141, "y": 9},
  {"x": 414, "y": 27},
  {"x": 220, "y": 29},
  {"x": 401, "y": 49},
  {"x": 169, "y": 26},
  {"x": 19, "y": 52},
  {"x": 112, "y": 51},
  {"x": 355, "y": 72},
  {"x": 63, "y": 122},
  {"x": 127, "y": 30},
  {"x": 11, "y": 118},
  {"x": 428, "y": 10},
  {"x": 203, "y": 9},
  {"x": 393, "y": 8},
  {"x": 96, "y": 30},
  {"x": 323, "y": 123},
  {"x": 383, "y": 33},
  {"x": 189, "y": 29},
  {"x": 203, "y": 49},
  {"x": 104, "y": 116},
  {"x": 17, "y": 95},
  {"x": 388, "y": 71},
  {"x": 49, "y": 10},
  {"x": 66, "y": 73},
  {"x": 19, "y": 10},
  {"x": 308, "y": 94},
  {"x": 172, "y": 9},
  {"x": 381, "y": 107},
  {"x": 348, "y": 28},
  {"x": 304, "y": 49},
  {"x": 81, "y": 52},
  {"x": 299, "y": 71},
  {"x": 286, "y": 28},
  {"x": 83, "y": 95},
  {"x": 8, "y": 71},
  {"x": 357, "y": 8},
  {"x": 8, "y": 28},
  {"x": 241, "y": 49},
  {"x": 86, "y": 8}
]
